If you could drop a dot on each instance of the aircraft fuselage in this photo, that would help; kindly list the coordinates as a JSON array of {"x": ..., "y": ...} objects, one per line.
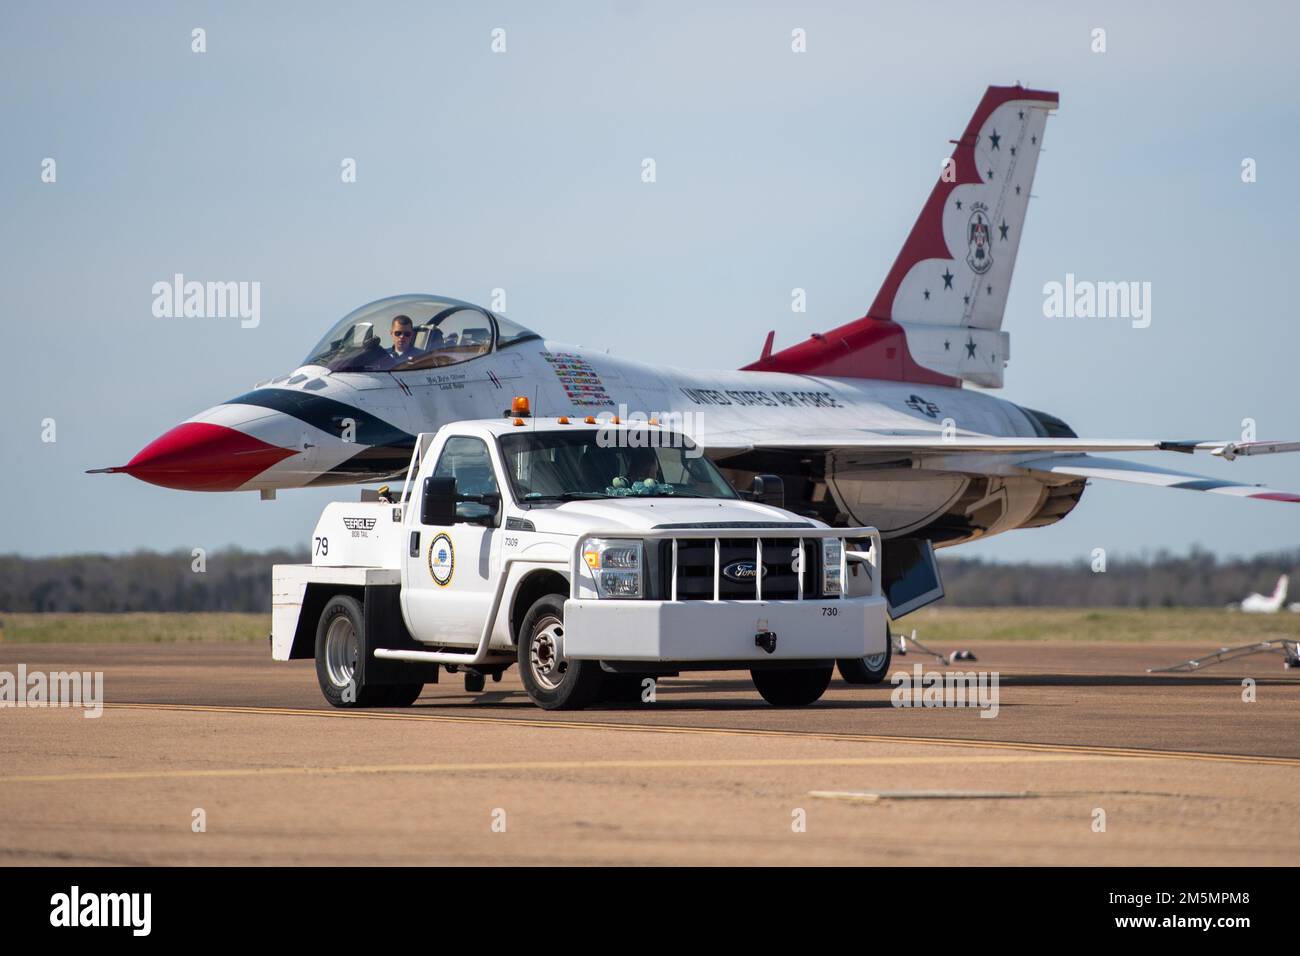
[{"x": 316, "y": 426}]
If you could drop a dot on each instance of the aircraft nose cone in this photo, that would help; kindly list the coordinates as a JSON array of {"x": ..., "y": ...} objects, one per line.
[{"x": 200, "y": 456}]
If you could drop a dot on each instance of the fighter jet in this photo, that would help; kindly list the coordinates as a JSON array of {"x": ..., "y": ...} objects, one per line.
[{"x": 866, "y": 423}]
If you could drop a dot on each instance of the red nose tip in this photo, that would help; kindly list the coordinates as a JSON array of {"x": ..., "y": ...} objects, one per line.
[{"x": 198, "y": 456}]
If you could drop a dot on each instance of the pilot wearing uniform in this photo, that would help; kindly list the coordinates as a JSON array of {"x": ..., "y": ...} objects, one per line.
[{"x": 403, "y": 333}]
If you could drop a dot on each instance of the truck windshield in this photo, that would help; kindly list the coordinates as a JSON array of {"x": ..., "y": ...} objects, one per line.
[{"x": 609, "y": 463}]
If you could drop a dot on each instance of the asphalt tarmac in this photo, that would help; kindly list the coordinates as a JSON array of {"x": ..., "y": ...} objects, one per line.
[{"x": 214, "y": 754}]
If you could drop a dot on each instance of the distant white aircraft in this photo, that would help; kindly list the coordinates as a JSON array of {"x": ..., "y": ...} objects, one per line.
[{"x": 1262, "y": 604}]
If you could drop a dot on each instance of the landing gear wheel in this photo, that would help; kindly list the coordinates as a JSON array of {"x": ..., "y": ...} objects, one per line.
[
  {"x": 795, "y": 687},
  {"x": 551, "y": 680},
  {"x": 339, "y": 638},
  {"x": 870, "y": 669}
]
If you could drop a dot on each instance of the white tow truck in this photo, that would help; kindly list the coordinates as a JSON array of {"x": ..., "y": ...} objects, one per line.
[{"x": 592, "y": 554}]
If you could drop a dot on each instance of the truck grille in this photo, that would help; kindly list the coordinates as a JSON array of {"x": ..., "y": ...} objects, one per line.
[{"x": 695, "y": 569}]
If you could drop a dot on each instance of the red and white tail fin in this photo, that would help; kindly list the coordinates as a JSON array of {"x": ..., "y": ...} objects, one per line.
[{"x": 938, "y": 316}]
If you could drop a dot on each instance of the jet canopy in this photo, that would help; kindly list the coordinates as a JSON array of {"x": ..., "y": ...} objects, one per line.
[{"x": 440, "y": 331}]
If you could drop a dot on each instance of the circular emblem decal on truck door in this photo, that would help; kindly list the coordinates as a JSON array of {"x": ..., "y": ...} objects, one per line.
[{"x": 442, "y": 560}]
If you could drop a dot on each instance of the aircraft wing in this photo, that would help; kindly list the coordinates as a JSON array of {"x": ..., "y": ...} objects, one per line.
[
  {"x": 934, "y": 445},
  {"x": 1115, "y": 469},
  {"x": 1063, "y": 457}
]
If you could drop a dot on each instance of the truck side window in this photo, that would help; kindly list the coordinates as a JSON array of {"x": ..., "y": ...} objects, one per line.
[{"x": 467, "y": 460}]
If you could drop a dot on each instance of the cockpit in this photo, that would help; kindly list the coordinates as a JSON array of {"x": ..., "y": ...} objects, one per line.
[{"x": 409, "y": 332}]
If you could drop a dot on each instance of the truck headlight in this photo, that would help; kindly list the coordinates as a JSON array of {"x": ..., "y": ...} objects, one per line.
[
  {"x": 615, "y": 565},
  {"x": 832, "y": 550}
]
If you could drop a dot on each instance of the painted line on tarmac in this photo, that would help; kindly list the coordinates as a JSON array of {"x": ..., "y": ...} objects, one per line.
[
  {"x": 875, "y": 796},
  {"x": 1095, "y": 750},
  {"x": 545, "y": 765}
]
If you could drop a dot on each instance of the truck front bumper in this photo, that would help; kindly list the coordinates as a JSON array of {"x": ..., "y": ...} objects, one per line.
[{"x": 612, "y": 630}]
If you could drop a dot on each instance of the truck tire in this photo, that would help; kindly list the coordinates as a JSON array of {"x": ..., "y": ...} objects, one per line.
[
  {"x": 793, "y": 687},
  {"x": 552, "y": 682},
  {"x": 871, "y": 669},
  {"x": 399, "y": 695},
  {"x": 340, "y": 635}
]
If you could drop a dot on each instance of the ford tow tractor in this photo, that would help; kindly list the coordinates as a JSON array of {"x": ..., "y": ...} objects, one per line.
[{"x": 595, "y": 555}]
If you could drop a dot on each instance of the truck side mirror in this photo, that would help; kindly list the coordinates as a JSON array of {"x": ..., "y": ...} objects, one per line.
[
  {"x": 478, "y": 509},
  {"x": 769, "y": 489},
  {"x": 438, "y": 503}
]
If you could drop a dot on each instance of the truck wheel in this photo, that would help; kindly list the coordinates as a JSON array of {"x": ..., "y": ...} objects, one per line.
[
  {"x": 553, "y": 682},
  {"x": 794, "y": 687},
  {"x": 399, "y": 695},
  {"x": 870, "y": 669},
  {"x": 339, "y": 639}
]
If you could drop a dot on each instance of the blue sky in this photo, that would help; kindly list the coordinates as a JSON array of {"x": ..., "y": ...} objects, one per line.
[{"x": 522, "y": 171}]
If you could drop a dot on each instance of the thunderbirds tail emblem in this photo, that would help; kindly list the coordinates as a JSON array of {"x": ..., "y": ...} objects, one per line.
[{"x": 978, "y": 240}]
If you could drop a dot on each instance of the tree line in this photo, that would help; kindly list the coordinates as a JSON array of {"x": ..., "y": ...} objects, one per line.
[
  {"x": 228, "y": 580},
  {"x": 237, "y": 580},
  {"x": 1196, "y": 579}
]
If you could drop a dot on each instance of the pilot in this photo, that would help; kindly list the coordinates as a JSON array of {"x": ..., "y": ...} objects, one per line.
[{"x": 403, "y": 333}]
